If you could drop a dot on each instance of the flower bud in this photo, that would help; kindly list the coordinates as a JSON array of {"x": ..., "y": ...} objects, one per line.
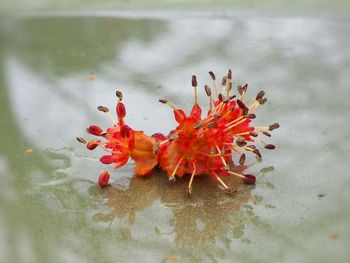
[
  {"x": 121, "y": 112},
  {"x": 106, "y": 159},
  {"x": 91, "y": 145},
  {"x": 103, "y": 179},
  {"x": 95, "y": 130}
]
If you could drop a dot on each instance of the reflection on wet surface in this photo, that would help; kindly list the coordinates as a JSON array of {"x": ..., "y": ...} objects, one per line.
[{"x": 54, "y": 71}]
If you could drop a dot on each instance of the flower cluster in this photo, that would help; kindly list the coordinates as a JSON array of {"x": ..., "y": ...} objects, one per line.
[{"x": 200, "y": 144}]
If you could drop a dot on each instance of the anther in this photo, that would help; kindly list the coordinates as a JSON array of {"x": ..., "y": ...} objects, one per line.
[
  {"x": 119, "y": 94},
  {"x": 212, "y": 75},
  {"x": 220, "y": 97},
  {"x": 274, "y": 126},
  {"x": 103, "y": 108},
  {"x": 254, "y": 134},
  {"x": 260, "y": 95},
  {"x": 194, "y": 81},
  {"x": 164, "y": 101},
  {"x": 224, "y": 81},
  {"x": 270, "y": 146},
  {"x": 250, "y": 116},
  {"x": 241, "y": 142},
  {"x": 240, "y": 89},
  {"x": 267, "y": 134},
  {"x": 212, "y": 124},
  {"x": 81, "y": 140},
  {"x": 198, "y": 124},
  {"x": 229, "y": 74},
  {"x": 252, "y": 147},
  {"x": 242, "y": 159},
  {"x": 207, "y": 90},
  {"x": 262, "y": 101},
  {"x": 257, "y": 153}
]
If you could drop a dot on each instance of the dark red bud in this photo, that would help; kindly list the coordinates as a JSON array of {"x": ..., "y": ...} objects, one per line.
[
  {"x": 103, "y": 179},
  {"x": 249, "y": 179},
  {"x": 106, "y": 159},
  {"x": 95, "y": 130},
  {"x": 91, "y": 145},
  {"x": 121, "y": 112}
]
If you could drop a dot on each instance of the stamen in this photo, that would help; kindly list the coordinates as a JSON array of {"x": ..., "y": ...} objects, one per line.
[
  {"x": 273, "y": 126},
  {"x": 119, "y": 94},
  {"x": 81, "y": 140},
  {"x": 221, "y": 182},
  {"x": 267, "y": 134},
  {"x": 172, "y": 177},
  {"x": 103, "y": 108},
  {"x": 254, "y": 134},
  {"x": 260, "y": 95},
  {"x": 240, "y": 141},
  {"x": 222, "y": 158},
  {"x": 242, "y": 159},
  {"x": 208, "y": 91},
  {"x": 191, "y": 180},
  {"x": 194, "y": 85},
  {"x": 270, "y": 146},
  {"x": 91, "y": 145},
  {"x": 212, "y": 75},
  {"x": 236, "y": 174},
  {"x": 250, "y": 116}
]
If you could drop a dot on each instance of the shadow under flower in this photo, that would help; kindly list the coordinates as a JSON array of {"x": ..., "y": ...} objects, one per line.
[{"x": 207, "y": 220}]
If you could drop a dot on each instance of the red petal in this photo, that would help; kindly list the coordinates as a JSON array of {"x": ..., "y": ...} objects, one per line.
[
  {"x": 180, "y": 115},
  {"x": 125, "y": 131},
  {"x": 103, "y": 179},
  {"x": 196, "y": 111},
  {"x": 95, "y": 130},
  {"x": 106, "y": 159}
]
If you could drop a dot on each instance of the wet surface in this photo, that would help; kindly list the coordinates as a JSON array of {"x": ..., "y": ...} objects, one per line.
[{"x": 55, "y": 70}]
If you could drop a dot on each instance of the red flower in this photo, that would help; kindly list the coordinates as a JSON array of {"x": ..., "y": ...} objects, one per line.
[{"x": 198, "y": 145}]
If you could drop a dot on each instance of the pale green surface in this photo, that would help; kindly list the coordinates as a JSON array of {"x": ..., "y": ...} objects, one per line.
[{"x": 53, "y": 211}]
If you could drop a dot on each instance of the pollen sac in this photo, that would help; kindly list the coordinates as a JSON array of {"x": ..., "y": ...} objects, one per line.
[
  {"x": 103, "y": 179},
  {"x": 106, "y": 159},
  {"x": 274, "y": 126},
  {"x": 94, "y": 130},
  {"x": 159, "y": 136},
  {"x": 121, "y": 112},
  {"x": 91, "y": 145},
  {"x": 212, "y": 75},
  {"x": 103, "y": 108}
]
